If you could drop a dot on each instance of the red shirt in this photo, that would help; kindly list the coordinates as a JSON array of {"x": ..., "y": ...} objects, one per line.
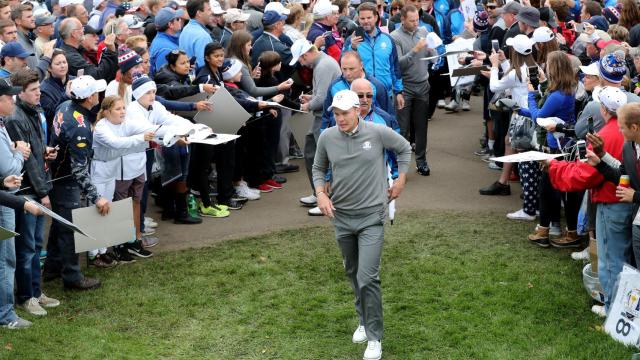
[{"x": 613, "y": 143}]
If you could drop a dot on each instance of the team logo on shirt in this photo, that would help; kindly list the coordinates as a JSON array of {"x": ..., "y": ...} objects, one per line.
[
  {"x": 383, "y": 45},
  {"x": 79, "y": 118},
  {"x": 58, "y": 124},
  {"x": 366, "y": 145}
]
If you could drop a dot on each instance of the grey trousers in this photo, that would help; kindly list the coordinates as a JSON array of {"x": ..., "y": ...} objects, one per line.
[
  {"x": 282, "y": 155},
  {"x": 310, "y": 144},
  {"x": 360, "y": 238}
]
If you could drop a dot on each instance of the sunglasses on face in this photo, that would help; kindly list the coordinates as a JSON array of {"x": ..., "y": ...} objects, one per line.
[
  {"x": 363, "y": 95},
  {"x": 491, "y": 7},
  {"x": 395, "y": 8}
]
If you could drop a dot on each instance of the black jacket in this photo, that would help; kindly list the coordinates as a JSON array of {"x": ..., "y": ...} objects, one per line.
[
  {"x": 25, "y": 124},
  {"x": 106, "y": 69},
  {"x": 172, "y": 86}
]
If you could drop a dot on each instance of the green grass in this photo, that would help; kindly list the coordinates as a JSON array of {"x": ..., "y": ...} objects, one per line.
[{"x": 455, "y": 286}]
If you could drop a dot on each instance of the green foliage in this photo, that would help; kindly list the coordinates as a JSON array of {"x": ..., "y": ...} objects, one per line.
[{"x": 455, "y": 286}]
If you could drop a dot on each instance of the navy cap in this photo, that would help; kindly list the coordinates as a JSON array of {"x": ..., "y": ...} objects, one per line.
[
  {"x": 272, "y": 17},
  {"x": 166, "y": 15},
  {"x": 7, "y": 89},
  {"x": 46, "y": 19},
  {"x": 14, "y": 49}
]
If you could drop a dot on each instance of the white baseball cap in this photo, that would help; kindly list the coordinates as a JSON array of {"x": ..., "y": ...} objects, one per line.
[
  {"x": 299, "y": 48},
  {"x": 97, "y": 3},
  {"x": 64, "y": 3},
  {"x": 521, "y": 44},
  {"x": 84, "y": 86},
  {"x": 345, "y": 100},
  {"x": 612, "y": 98},
  {"x": 216, "y": 9},
  {"x": 542, "y": 35},
  {"x": 234, "y": 15},
  {"x": 324, "y": 8},
  {"x": 277, "y": 7},
  {"x": 602, "y": 35},
  {"x": 592, "y": 69}
]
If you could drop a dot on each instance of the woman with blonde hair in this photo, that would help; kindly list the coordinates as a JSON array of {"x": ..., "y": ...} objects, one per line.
[{"x": 293, "y": 25}]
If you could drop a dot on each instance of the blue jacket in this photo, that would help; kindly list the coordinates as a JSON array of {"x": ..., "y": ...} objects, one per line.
[
  {"x": 193, "y": 39},
  {"x": 380, "y": 59},
  {"x": 557, "y": 104},
  {"x": 161, "y": 45},
  {"x": 225, "y": 38},
  {"x": 380, "y": 98},
  {"x": 267, "y": 42}
]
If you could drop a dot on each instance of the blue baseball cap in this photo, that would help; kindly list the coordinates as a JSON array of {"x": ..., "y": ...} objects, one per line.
[
  {"x": 166, "y": 15},
  {"x": 14, "y": 49},
  {"x": 272, "y": 17}
]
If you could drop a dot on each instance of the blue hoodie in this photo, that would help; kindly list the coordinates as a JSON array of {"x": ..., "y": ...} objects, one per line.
[{"x": 161, "y": 45}]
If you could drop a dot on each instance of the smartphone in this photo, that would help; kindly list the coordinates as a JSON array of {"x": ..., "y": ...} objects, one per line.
[
  {"x": 533, "y": 76},
  {"x": 327, "y": 33},
  {"x": 80, "y": 72},
  {"x": 590, "y": 125},
  {"x": 579, "y": 27},
  {"x": 581, "y": 145},
  {"x": 359, "y": 31},
  {"x": 495, "y": 45}
]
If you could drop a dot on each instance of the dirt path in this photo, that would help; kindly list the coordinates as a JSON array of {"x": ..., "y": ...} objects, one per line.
[{"x": 453, "y": 185}]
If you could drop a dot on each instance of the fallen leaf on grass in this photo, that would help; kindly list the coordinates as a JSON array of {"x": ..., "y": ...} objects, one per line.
[
  {"x": 530, "y": 285},
  {"x": 8, "y": 346},
  {"x": 264, "y": 351},
  {"x": 262, "y": 258}
]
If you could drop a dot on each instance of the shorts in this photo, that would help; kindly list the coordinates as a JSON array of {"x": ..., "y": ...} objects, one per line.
[{"x": 129, "y": 188}]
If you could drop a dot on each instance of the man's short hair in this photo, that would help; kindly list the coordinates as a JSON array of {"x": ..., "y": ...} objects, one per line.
[
  {"x": 5, "y": 23},
  {"x": 630, "y": 113},
  {"x": 407, "y": 9},
  {"x": 4, "y": 3},
  {"x": 16, "y": 13},
  {"x": 24, "y": 77},
  {"x": 72, "y": 10},
  {"x": 66, "y": 27},
  {"x": 341, "y": 4},
  {"x": 367, "y": 6},
  {"x": 593, "y": 8},
  {"x": 351, "y": 53},
  {"x": 193, "y": 6}
]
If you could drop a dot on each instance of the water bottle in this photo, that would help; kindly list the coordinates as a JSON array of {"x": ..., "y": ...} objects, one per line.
[{"x": 192, "y": 206}]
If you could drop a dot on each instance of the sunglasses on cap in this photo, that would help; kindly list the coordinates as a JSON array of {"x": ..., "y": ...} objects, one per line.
[
  {"x": 363, "y": 95},
  {"x": 178, "y": 52}
]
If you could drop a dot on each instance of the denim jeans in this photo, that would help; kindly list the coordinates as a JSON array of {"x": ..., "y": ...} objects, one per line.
[
  {"x": 28, "y": 246},
  {"x": 613, "y": 234},
  {"x": 7, "y": 268}
]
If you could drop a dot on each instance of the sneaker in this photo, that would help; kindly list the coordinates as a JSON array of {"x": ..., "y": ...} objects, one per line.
[
  {"x": 213, "y": 211},
  {"x": 239, "y": 198},
  {"x": 423, "y": 169},
  {"x": 441, "y": 104},
  {"x": 122, "y": 255},
  {"x": 32, "y": 306},
  {"x": 274, "y": 184},
  {"x": 581, "y": 255},
  {"x": 494, "y": 166},
  {"x": 481, "y": 152},
  {"x": 149, "y": 241},
  {"x": 520, "y": 215},
  {"x": 496, "y": 188},
  {"x": 46, "y": 301},
  {"x": 570, "y": 239},
  {"x": 451, "y": 106},
  {"x": 465, "y": 105},
  {"x": 84, "y": 284},
  {"x": 296, "y": 154},
  {"x": 232, "y": 204},
  {"x": 359, "y": 336},
  {"x": 149, "y": 222},
  {"x": 540, "y": 237},
  {"x": 599, "y": 310},
  {"x": 264, "y": 188},
  {"x": 135, "y": 248},
  {"x": 315, "y": 212},
  {"x": 374, "y": 351},
  {"x": 244, "y": 191},
  {"x": 286, "y": 168},
  {"x": 148, "y": 231},
  {"x": 279, "y": 179},
  {"x": 102, "y": 261},
  {"x": 487, "y": 158},
  {"x": 18, "y": 323},
  {"x": 309, "y": 201}
]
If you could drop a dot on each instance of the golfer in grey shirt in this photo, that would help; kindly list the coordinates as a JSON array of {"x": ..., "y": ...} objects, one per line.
[{"x": 355, "y": 151}]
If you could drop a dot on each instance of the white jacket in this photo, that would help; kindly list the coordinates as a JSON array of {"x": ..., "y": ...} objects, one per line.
[
  {"x": 518, "y": 89},
  {"x": 141, "y": 120}
]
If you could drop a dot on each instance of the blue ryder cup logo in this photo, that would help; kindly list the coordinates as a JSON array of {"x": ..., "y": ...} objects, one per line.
[
  {"x": 632, "y": 304},
  {"x": 383, "y": 45}
]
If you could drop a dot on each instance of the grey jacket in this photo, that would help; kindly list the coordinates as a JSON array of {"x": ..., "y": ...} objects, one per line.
[
  {"x": 248, "y": 84},
  {"x": 358, "y": 164},
  {"x": 325, "y": 70},
  {"x": 27, "y": 44},
  {"x": 255, "y": 17},
  {"x": 415, "y": 72}
]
